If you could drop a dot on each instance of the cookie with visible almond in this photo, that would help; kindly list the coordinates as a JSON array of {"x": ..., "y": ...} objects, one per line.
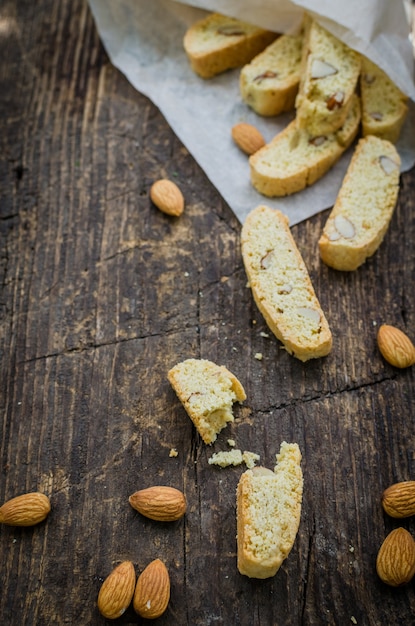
[
  {"x": 281, "y": 285},
  {"x": 364, "y": 206},
  {"x": 218, "y": 43},
  {"x": 296, "y": 158},
  {"x": 384, "y": 106},
  {"x": 269, "y": 83},
  {"x": 329, "y": 75}
]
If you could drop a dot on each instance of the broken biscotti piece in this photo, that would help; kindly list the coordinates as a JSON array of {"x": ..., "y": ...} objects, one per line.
[
  {"x": 329, "y": 75},
  {"x": 218, "y": 43},
  {"x": 295, "y": 158},
  {"x": 268, "y": 513},
  {"x": 384, "y": 106},
  {"x": 269, "y": 83},
  {"x": 281, "y": 285},
  {"x": 364, "y": 206},
  {"x": 207, "y": 392}
]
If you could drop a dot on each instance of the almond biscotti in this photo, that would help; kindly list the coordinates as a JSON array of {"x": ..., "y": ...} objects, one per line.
[
  {"x": 296, "y": 158},
  {"x": 218, "y": 43},
  {"x": 269, "y": 83},
  {"x": 281, "y": 285},
  {"x": 207, "y": 392},
  {"x": 364, "y": 206},
  {"x": 384, "y": 106},
  {"x": 268, "y": 513},
  {"x": 329, "y": 75}
]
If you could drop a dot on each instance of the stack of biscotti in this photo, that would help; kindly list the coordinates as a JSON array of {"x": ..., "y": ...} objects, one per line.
[
  {"x": 328, "y": 112},
  {"x": 326, "y": 122}
]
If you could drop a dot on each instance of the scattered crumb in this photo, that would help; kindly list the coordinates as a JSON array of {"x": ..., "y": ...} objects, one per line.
[
  {"x": 232, "y": 443},
  {"x": 186, "y": 274},
  {"x": 266, "y": 335},
  {"x": 234, "y": 457},
  {"x": 250, "y": 458},
  {"x": 173, "y": 452},
  {"x": 224, "y": 279},
  {"x": 351, "y": 549},
  {"x": 353, "y": 619},
  {"x": 258, "y": 356},
  {"x": 224, "y": 459}
]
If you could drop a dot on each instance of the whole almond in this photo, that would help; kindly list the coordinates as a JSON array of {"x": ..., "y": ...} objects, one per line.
[
  {"x": 117, "y": 591},
  {"x": 395, "y": 347},
  {"x": 398, "y": 500},
  {"x": 27, "y": 509},
  {"x": 395, "y": 563},
  {"x": 164, "y": 504},
  {"x": 167, "y": 197},
  {"x": 247, "y": 138},
  {"x": 152, "y": 592}
]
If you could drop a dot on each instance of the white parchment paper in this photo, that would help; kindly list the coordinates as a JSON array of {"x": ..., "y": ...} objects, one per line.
[{"x": 144, "y": 41}]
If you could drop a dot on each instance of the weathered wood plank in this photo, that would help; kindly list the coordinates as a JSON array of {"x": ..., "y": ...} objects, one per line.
[{"x": 102, "y": 294}]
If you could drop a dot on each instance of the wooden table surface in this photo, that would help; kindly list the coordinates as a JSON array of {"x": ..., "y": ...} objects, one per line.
[{"x": 102, "y": 294}]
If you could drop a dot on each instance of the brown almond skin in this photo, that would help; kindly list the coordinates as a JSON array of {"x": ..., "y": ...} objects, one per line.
[
  {"x": 398, "y": 500},
  {"x": 27, "y": 509},
  {"x": 117, "y": 591},
  {"x": 395, "y": 347},
  {"x": 160, "y": 503},
  {"x": 395, "y": 563},
  {"x": 248, "y": 138},
  {"x": 152, "y": 592},
  {"x": 167, "y": 197}
]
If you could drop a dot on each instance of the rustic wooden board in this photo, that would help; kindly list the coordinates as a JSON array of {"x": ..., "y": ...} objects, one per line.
[{"x": 102, "y": 294}]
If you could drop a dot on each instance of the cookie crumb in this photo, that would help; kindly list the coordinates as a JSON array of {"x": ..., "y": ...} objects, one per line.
[
  {"x": 173, "y": 452},
  {"x": 250, "y": 458},
  {"x": 224, "y": 459}
]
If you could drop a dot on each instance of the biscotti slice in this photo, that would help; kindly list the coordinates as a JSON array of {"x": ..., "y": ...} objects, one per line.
[
  {"x": 268, "y": 513},
  {"x": 207, "y": 392},
  {"x": 218, "y": 43},
  {"x": 384, "y": 106},
  {"x": 269, "y": 83},
  {"x": 364, "y": 206},
  {"x": 329, "y": 76},
  {"x": 295, "y": 158},
  {"x": 281, "y": 285}
]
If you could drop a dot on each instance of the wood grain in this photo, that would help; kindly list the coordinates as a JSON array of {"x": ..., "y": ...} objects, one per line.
[{"x": 102, "y": 294}]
